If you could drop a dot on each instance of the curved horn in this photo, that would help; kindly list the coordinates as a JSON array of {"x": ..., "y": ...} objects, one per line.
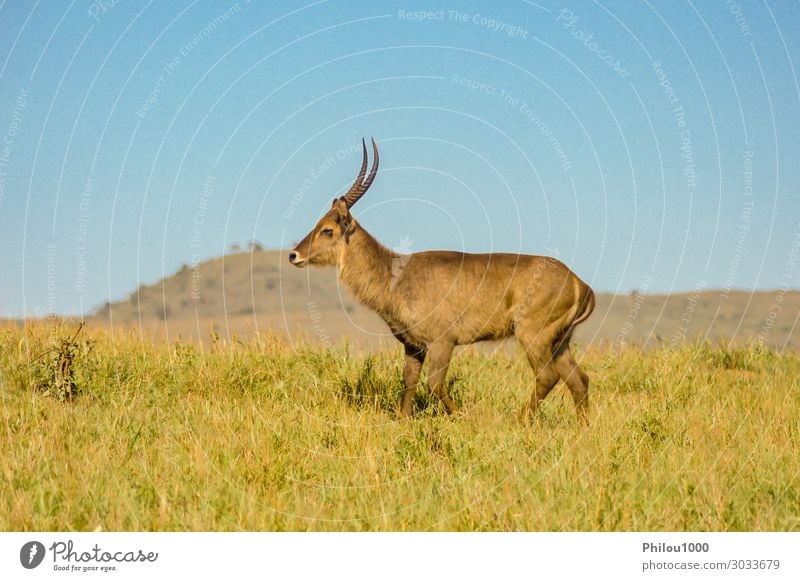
[
  {"x": 357, "y": 184},
  {"x": 359, "y": 188}
]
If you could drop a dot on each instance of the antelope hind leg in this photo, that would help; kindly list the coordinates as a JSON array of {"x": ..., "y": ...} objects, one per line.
[
  {"x": 414, "y": 360},
  {"x": 439, "y": 356},
  {"x": 578, "y": 383},
  {"x": 546, "y": 379}
]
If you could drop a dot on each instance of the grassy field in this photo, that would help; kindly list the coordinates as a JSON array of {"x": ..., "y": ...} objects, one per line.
[{"x": 102, "y": 431}]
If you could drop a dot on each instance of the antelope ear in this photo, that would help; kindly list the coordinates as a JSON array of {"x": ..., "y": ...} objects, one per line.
[
  {"x": 342, "y": 211},
  {"x": 343, "y": 217}
]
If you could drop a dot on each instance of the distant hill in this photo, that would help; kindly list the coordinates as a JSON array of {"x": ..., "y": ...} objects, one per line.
[
  {"x": 240, "y": 293},
  {"x": 244, "y": 283}
]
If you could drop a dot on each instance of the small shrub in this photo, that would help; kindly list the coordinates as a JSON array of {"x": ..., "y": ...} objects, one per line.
[
  {"x": 648, "y": 427},
  {"x": 53, "y": 373},
  {"x": 727, "y": 357},
  {"x": 372, "y": 388}
]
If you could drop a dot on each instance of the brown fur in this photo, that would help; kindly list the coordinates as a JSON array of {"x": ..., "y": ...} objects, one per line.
[{"x": 433, "y": 301}]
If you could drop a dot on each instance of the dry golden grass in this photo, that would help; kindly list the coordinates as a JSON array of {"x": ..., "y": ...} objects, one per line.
[{"x": 264, "y": 436}]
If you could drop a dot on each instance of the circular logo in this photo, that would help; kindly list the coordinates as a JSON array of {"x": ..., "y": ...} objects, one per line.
[{"x": 31, "y": 554}]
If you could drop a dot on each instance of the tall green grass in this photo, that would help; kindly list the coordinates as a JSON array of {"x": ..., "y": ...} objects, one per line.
[{"x": 269, "y": 436}]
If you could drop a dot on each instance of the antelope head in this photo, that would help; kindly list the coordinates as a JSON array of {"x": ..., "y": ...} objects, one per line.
[{"x": 321, "y": 246}]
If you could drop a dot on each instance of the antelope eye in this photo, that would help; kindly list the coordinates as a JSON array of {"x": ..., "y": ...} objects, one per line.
[{"x": 327, "y": 232}]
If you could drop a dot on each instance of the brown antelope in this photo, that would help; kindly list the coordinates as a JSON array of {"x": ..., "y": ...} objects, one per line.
[{"x": 440, "y": 299}]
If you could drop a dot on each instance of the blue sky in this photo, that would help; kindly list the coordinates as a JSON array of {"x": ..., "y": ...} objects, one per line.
[{"x": 650, "y": 146}]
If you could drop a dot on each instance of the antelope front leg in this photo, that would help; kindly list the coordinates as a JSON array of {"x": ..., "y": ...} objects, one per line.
[
  {"x": 440, "y": 354},
  {"x": 414, "y": 359}
]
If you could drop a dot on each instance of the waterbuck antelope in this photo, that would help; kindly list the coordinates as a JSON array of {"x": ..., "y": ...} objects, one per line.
[{"x": 433, "y": 301}]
